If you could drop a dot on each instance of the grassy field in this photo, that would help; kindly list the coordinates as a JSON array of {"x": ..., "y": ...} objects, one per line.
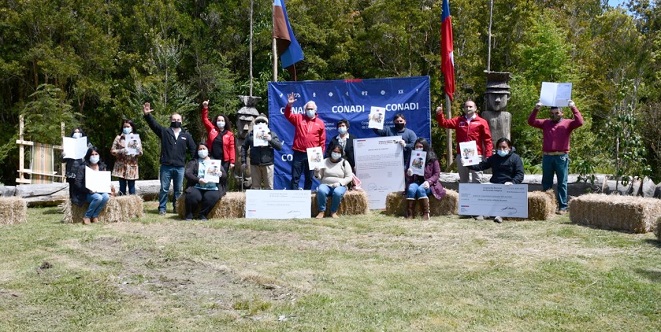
[{"x": 368, "y": 273}]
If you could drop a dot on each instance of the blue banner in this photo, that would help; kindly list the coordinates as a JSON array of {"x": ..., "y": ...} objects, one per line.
[{"x": 350, "y": 100}]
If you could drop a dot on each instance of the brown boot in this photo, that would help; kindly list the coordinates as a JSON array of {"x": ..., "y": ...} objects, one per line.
[
  {"x": 86, "y": 221},
  {"x": 424, "y": 201},
  {"x": 410, "y": 209}
]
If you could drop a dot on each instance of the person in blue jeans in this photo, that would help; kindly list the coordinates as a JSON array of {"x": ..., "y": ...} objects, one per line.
[
  {"x": 175, "y": 144},
  {"x": 334, "y": 176},
  {"x": 97, "y": 200}
]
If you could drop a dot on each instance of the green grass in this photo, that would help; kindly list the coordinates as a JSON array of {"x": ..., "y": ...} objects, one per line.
[{"x": 367, "y": 273}]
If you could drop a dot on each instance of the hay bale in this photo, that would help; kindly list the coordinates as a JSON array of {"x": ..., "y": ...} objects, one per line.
[
  {"x": 353, "y": 203},
  {"x": 13, "y": 210},
  {"x": 396, "y": 204},
  {"x": 541, "y": 205},
  {"x": 625, "y": 213},
  {"x": 118, "y": 209},
  {"x": 232, "y": 205},
  {"x": 658, "y": 228}
]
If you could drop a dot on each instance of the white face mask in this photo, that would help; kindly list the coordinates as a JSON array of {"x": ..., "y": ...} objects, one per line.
[
  {"x": 202, "y": 153},
  {"x": 77, "y": 135},
  {"x": 342, "y": 130},
  {"x": 336, "y": 155},
  {"x": 220, "y": 124},
  {"x": 94, "y": 159},
  {"x": 310, "y": 113},
  {"x": 503, "y": 153},
  {"x": 419, "y": 149},
  {"x": 126, "y": 130}
]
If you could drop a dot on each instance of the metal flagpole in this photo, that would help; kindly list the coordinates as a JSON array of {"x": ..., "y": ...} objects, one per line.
[{"x": 251, "y": 78}]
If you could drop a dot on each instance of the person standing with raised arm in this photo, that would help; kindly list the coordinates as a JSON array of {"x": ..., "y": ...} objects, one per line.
[
  {"x": 309, "y": 132},
  {"x": 555, "y": 161},
  {"x": 175, "y": 144}
]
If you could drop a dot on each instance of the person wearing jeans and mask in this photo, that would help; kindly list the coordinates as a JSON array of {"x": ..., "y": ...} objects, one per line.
[
  {"x": 334, "y": 177},
  {"x": 175, "y": 144},
  {"x": 408, "y": 136},
  {"x": 309, "y": 132},
  {"x": 126, "y": 160},
  {"x": 97, "y": 200},
  {"x": 506, "y": 165},
  {"x": 555, "y": 160}
]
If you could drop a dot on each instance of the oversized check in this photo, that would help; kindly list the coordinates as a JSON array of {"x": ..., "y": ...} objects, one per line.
[
  {"x": 489, "y": 199},
  {"x": 278, "y": 204},
  {"x": 380, "y": 165}
]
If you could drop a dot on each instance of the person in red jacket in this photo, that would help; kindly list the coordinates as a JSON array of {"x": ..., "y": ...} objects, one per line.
[
  {"x": 469, "y": 127},
  {"x": 220, "y": 138},
  {"x": 309, "y": 132}
]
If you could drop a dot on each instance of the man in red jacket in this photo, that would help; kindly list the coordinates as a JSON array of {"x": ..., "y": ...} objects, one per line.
[
  {"x": 309, "y": 132},
  {"x": 469, "y": 127}
]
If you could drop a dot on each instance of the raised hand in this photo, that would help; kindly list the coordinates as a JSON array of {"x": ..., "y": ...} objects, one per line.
[
  {"x": 439, "y": 110},
  {"x": 290, "y": 98},
  {"x": 146, "y": 108},
  {"x": 571, "y": 103},
  {"x": 205, "y": 104}
]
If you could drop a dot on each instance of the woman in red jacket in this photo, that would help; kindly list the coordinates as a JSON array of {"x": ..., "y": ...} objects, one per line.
[{"x": 220, "y": 138}]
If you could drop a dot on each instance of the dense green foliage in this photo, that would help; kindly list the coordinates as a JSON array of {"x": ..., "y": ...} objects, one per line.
[{"x": 93, "y": 62}]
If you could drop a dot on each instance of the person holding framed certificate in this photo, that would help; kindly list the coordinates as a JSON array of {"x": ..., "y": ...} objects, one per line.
[
  {"x": 126, "y": 148},
  {"x": 200, "y": 188},
  {"x": 220, "y": 138},
  {"x": 418, "y": 187}
]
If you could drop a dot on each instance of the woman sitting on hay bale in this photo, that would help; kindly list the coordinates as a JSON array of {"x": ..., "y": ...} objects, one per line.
[
  {"x": 80, "y": 193},
  {"x": 506, "y": 166},
  {"x": 334, "y": 177},
  {"x": 199, "y": 190},
  {"x": 418, "y": 186}
]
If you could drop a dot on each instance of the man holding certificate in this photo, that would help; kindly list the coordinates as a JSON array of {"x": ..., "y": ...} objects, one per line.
[
  {"x": 309, "y": 132},
  {"x": 470, "y": 127},
  {"x": 557, "y": 132}
]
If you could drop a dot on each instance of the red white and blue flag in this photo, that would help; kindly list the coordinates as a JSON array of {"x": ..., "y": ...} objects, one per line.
[
  {"x": 289, "y": 50},
  {"x": 447, "y": 57}
]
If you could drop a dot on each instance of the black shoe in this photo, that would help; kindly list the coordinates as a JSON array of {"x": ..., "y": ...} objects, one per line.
[
  {"x": 202, "y": 217},
  {"x": 189, "y": 217}
]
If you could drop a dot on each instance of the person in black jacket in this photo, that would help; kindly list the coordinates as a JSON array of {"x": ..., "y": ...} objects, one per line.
[
  {"x": 199, "y": 190},
  {"x": 345, "y": 140},
  {"x": 507, "y": 166},
  {"x": 80, "y": 193},
  {"x": 175, "y": 143},
  {"x": 261, "y": 157}
]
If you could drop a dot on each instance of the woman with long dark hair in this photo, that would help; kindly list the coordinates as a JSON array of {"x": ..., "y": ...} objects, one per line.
[{"x": 418, "y": 187}]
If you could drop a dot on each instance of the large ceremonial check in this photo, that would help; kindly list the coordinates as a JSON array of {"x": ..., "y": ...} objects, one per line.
[
  {"x": 476, "y": 199},
  {"x": 380, "y": 164},
  {"x": 278, "y": 204}
]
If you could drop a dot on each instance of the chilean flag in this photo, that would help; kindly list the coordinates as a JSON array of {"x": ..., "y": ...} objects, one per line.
[
  {"x": 289, "y": 50},
  {"x": 447, "y": 57}
]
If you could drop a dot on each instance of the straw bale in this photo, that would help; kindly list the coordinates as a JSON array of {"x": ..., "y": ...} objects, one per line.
[
  {"x": 232, "y": 205},
  {"x": 354, "y": 202},
  {"x": 118, "y": 209},
  {"x": 396, "y": 204},
  {"x": 541, "y": 205},
  {"x": 625, "y": 213},
  {"x": 13, "y": 210},
  {"x": 658, "y": 228}
]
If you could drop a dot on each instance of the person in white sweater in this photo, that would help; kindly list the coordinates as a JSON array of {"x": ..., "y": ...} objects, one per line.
[{"x": 335, "y": 175}]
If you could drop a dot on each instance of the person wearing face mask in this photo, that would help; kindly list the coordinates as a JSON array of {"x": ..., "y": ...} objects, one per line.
[
  {"x": 175, "y": 144},
  {"x": 335, "y": 175},
  {"x": 309, "y": 132},
  {"x": 71, "y": 165},
  {"x": 506, "y": 166},
  {"x": 199, "y": 191},
  {"x": 220, "y": 138},
  {"x": 261, "y": 157},
  {"x": 345, "y": 140},
  {"x": 419, "y": 187},
  {"x": 126, "y": 160},
  {"x": 468, "y": 127},
  {"x": 408, "y": 136},
  {"x": 555, "y": 147},
  {"x": 97, "y": 201}
]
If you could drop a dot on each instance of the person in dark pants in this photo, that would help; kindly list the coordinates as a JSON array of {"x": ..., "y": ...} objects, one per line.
[
  {"x": 309, "y": 132},
  {"x": 175, "y": 144},
  {"x": 198, "y": 190}
]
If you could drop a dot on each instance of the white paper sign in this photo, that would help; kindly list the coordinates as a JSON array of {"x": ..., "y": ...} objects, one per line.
[
  {"x": 469, "y": 155},
  {"x": 380, "y": 168},
  {"x": 490, "y": 199},
  {"x": 133, "y": 143},
  {"x": 417, "y": 164},
  {"x": 278, "y": 204},
  {"x": 315, "y": 157},
  {"x": 74, "y": 148},
  {"x": 259, "y": 132},
  {"x": 377, "y": 117},
  {"x": 97, "y": 181},
  {"x": 213, "y": 170},
  {"x": 555, "y": 94}
]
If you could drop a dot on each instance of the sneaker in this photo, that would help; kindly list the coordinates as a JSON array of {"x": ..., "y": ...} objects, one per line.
[
  {"x": 478, "y": 217},
  {"x": 320, "y": 215},
  {"x": 561, "y": 212},
  {"x": 498, "y": 219},
  {"x": 161, "y": 212}
]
